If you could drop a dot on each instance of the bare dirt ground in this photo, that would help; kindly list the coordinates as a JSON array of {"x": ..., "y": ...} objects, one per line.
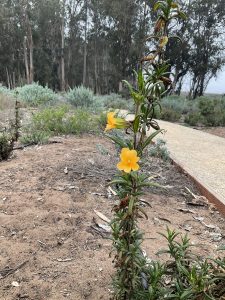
[
  {"x": 219, "y": 131},
  {"x": 50, "y": 248}
]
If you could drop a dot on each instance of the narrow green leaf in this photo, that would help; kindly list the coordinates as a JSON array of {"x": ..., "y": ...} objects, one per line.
[
  {"x": 118, "y": 141},
  {"x": 136, "y": 124},
  {"x": 130, "y": 87},
  {"x": 182, "y": 15},
  {"x": 150, "y": 138}
]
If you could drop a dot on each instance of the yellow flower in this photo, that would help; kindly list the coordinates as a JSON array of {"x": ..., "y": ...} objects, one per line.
[
  {"x": 128, "y": 161},
  {"x": 113, "y": 122}
]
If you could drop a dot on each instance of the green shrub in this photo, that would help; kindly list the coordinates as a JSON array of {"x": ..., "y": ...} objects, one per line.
[
  {"x": 6, "y": 146},
  {"x": 35, "y": 94},
  {"x": 4, "y": 90},
  {"x": 115, "y": 101},
  {"x": 171, "y": 115},
  {"x": 55, "y": 121},
  {"x": 80, "y": 96},
  {"x": 159, "y": 150},
  {"x": 213, "y": 111},
  {"x": 177, "y": 103},
  {"x": 185, "y": 275},
  {"x": 194, "y": 119},
  {"x": 80, "y": 122},
  {"x": 102, "y": 120},
  {"x": 51, "y": 120},
  {"x": 33, "y": 136}
]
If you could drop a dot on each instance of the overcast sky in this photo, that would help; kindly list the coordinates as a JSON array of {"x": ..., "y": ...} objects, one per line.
[{"x": 216, "y": 85}]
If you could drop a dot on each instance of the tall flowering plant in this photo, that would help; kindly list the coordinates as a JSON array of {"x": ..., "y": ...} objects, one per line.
[{"x": 131, "y": 279}]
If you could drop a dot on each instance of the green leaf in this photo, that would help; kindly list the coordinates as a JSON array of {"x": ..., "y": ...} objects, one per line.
[
  {"x": 141, "y": 81},
  {"x": 150, "y": 138},
  {"x": 160, "y": 252},
  {"x": 186, "y": 294},
  {"x": 118, "y": 181},
  {"x": 136, "y": 124},
  {"x": 130, "y": 87},
  {"x": 118, "y": 141},
  {"x": 159, "y": 5},
  {"x": 182, "y": 15}
]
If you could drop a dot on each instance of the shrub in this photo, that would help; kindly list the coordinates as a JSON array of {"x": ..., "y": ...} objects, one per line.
[
  {"x": 169, "y": 114},
  {"x": 35, "y": 94},
  {"x": 6, "y": 98},
  {"x": 80, "y": 96},
  {"x": 4, "y": 90},
  {"x": 159, "y": 150},
  {"x": 51, "y": 119},
  {"x": 213, "y": 111},
  {"x": 80, "y": 122},
  {"x": 6, "y": 146},
  {"x": 194, "y": 118},
  {"x": 115, "y": 101},
  {"x": 33, "y": 136},
  {"x": 185, "y": 276},
  {"x": 177, "y": 103},
  {"x": 102, "y": 120},
  {"x": 55, "y": 121}
]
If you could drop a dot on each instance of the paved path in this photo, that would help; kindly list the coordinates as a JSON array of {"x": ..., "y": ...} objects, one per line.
[{"x": 201, "y": 155}]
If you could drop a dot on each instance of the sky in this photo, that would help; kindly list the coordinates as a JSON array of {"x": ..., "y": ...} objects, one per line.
[{"x": 217, "y": 85}]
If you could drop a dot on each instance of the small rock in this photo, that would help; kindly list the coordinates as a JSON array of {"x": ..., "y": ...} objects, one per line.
[
  {"x": 216, "y": 237},
  {"x": 15, "y": 284}
]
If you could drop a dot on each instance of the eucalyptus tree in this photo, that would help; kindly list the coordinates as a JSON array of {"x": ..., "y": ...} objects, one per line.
[{"x": 206, "y": 30}]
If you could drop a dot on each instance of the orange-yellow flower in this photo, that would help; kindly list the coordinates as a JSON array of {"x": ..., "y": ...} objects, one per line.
[
  {"x": 113, "y": 122},
  {"x": 128, "y": 161}
]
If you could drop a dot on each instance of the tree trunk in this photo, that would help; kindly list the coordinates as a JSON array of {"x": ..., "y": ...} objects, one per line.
[
  {"x": 191, "y": 92},
  {"x": 26, "y": 60},
  {"x": 96, "y": 70},
  {"x": 201, "y": 85},
  {"x": 14, "y": 80},
  {"x": 174, "y": 84},
  {"x": 31, "y": 49},
  {"x": 62, "y": 49},
  {"x": 8, "y": 79},
  {"x": 85, "y": 46},
  {"x": 31, "y": 62}
]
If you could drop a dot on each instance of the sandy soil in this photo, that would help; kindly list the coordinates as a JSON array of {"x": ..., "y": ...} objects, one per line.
[
  {"x": 219, "y": 131},
  {"x": 48, "y": 195}
]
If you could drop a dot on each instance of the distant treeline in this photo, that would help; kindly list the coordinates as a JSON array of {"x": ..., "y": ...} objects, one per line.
[{"x": 97, "y": 43}]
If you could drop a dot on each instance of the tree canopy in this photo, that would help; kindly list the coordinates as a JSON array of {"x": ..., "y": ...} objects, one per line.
[{"x": 97, "y": 43}]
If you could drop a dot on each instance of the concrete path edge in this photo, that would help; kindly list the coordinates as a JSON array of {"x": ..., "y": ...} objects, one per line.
[{"x": 203, "y": 189}]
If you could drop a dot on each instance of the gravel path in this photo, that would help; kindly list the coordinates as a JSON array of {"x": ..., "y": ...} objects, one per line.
[{"x": 200, "y": 154}]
